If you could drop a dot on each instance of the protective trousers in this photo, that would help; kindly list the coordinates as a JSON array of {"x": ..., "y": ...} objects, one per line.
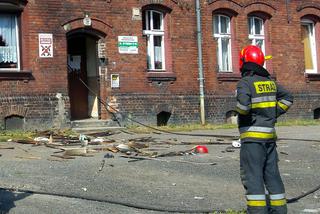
[{"x": 259, "y": 172}]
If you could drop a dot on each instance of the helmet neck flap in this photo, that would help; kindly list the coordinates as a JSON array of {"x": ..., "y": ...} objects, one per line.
[{"x": 251, "y": 68}]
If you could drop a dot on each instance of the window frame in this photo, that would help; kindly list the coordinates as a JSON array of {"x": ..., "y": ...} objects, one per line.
[
  {"x": 253, "y": 37},
  {"x": 313, "y": 45},
  {"x": 16, "y": 7},
  {"x": 151, "y": 34},
  {"x": 218, "y": 36},
  {"x": 17, "y": 27}
]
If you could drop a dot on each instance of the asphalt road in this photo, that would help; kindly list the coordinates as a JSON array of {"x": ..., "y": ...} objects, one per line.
[{"x": 32, "y": 181}]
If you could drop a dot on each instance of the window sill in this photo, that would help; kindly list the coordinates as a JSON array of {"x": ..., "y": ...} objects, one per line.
[
  {"x": 234, "y": 77},
  {"x": 16, "y": 75},
  {"x": 312, "y": 77},
  {"x": 159, "y": 76},
  {"x": 228, "y": 77}
]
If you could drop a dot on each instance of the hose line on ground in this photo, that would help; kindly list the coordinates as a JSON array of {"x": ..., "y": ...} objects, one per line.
[
  {"x": 292, "y": 200},
  {"x": 106, "y": 105},
  {"x": 295, "y": 199},
  {"x": 137, "y": 206},
  {"x": 116, "y": 202}
]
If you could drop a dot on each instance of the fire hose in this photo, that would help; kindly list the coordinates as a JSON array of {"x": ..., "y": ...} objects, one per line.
[
  {"x": 106, "y": 105},
  {"x": 135, "y": 205}
]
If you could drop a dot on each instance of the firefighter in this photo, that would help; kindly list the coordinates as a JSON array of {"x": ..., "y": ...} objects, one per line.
[{"x": 260, "y": 101}]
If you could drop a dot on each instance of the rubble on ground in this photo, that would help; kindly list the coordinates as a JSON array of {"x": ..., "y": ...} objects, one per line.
[{"x": 69, "y": 147}]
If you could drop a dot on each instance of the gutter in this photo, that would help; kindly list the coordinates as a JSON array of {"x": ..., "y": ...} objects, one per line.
[{"x": 200, "y": 64}]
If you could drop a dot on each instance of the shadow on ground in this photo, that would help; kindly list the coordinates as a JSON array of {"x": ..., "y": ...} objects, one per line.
[{"x": 8, "y": 198}]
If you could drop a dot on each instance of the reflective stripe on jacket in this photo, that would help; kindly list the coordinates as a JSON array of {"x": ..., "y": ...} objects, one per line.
[{"x": 260, "y": 100}]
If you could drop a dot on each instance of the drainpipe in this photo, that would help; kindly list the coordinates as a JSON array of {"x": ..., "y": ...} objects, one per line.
[
  {"x": 200, "y": 65},
  {"x": 288, "y": 11}
]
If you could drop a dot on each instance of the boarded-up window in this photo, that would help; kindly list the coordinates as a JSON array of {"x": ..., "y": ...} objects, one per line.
[{"x": 14, "y": 122}]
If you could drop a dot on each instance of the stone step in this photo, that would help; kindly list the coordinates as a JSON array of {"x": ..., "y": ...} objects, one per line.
[
  {"x": 87, "y": 130},
  {"x": 94, "y": 125}
]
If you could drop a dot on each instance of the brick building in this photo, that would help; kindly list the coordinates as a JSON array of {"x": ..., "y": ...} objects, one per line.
[{"x": 141, "y": 58}]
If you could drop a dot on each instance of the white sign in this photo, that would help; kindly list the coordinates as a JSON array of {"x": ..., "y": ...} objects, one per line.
[
  {"x": 128, "y": 44},
  {"x": 87, "y": 21},
  {"x": 115, "y": 81},
  {"x": 45, "y": 45},
  {"x": 101, "y": 49}
]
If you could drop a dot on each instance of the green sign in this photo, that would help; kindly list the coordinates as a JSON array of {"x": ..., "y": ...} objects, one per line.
[{"x": 128, "y": 44}]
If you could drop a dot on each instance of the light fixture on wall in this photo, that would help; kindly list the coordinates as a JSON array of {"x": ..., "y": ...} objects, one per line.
[{"x": 87, "y": 20}]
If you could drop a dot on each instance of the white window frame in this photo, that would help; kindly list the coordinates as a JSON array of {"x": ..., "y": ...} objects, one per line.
[
  {"x": 219, "y": 36},
  {"x": 253, "y": 36},
  {"x": 311, "y": 29},
  {"x": 151, "y": 33},
  {"x": 18, "y": 47}
]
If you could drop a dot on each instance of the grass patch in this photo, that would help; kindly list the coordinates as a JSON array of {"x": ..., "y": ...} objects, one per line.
[
  {"x": 30, "y": 135},
  {"x": 181, "y": 128},
  {"x": 16, "y": 135},
  {"x": 194, "y": 127},
  {"x": 299, "y": 122}
]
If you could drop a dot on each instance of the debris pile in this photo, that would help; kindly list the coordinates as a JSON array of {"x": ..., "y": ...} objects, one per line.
[{"x": 68, "y": 146}]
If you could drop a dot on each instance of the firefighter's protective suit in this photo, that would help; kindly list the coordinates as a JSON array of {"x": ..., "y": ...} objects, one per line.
[{"x": 260, "y": 100}]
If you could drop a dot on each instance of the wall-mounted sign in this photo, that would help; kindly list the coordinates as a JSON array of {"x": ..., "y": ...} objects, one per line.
[
  {"x": 45, "y": 45},
  {"x": 87, "y": 21},
  {"x": 115, "y": 81},
  {"x": 128, "y": 44},
  {"x": 136, "y": 13},
  {"x": 101, "y": 49}
]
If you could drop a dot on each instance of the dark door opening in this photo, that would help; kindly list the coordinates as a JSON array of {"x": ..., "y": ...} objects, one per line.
[{"x": 82, "y": 67}]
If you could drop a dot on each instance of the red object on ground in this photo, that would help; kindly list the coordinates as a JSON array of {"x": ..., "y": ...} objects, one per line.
[{"x": 201, "y": 149}]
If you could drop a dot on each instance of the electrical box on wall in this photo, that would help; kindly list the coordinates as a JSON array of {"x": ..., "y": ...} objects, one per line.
[{"x": 115, "y": 81}]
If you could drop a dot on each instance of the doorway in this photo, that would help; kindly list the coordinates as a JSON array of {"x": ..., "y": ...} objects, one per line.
[{"x": 83, "y": 76}]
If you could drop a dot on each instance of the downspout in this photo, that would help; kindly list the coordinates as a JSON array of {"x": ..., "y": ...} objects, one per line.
[
  {"x": 200, "y": 65},
  {"x": 288, "y": 11}
]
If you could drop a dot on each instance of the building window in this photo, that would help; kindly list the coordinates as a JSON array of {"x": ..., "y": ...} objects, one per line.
[
  {"x": 222, "y": 33},
  {"x": 309, "y": 44},
  {"x": 153, "y": 29},
  {"x": 256, "y": 32},
  {"x": 9, "y": 42}
]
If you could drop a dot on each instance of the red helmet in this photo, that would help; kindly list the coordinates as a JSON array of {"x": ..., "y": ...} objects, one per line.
[
  {"x": 251, "y": 53},
  {"x": 201, "y": 149}
]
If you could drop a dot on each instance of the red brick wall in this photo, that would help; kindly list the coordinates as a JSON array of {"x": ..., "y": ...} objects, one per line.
[{"x": 114, "y": 18}]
